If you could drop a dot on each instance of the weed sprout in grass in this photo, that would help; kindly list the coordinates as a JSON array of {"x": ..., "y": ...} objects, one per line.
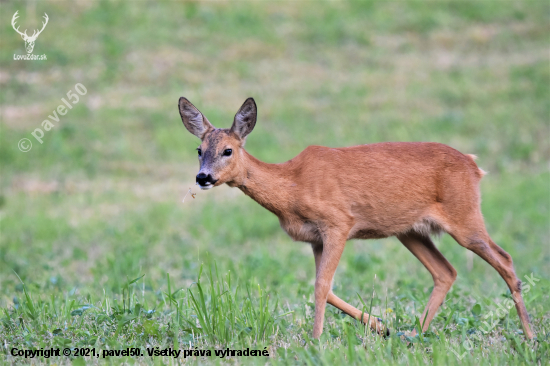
[{"x": 223, "y": 316}]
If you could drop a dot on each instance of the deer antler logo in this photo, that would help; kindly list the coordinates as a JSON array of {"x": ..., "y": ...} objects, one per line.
[{"x": 29, "y": 41}]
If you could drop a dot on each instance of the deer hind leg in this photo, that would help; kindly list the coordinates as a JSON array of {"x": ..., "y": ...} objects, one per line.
[
  {"x": 474, "y": 237},
  {"x": 375, "y": 323},
  {"x": 441, "y": 270}
]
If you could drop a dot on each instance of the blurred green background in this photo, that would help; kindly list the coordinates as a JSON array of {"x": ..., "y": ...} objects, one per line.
[{"x": 99, "y": 202}]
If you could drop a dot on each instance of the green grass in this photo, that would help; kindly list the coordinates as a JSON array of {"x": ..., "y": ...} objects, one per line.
[{"x": 97, "y": 250}]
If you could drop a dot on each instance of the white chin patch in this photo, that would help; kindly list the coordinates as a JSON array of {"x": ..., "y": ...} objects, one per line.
[{"x": 204, "y": 188}]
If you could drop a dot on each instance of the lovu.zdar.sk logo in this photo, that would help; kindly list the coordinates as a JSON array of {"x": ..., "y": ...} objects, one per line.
[{"x": 29, "y": 40}]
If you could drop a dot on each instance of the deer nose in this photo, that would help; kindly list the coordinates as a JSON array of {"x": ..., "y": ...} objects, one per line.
[{"x": 204, "y": 180}]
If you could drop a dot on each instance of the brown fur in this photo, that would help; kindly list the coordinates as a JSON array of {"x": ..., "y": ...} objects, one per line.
[{"x": 326, "y": 196}]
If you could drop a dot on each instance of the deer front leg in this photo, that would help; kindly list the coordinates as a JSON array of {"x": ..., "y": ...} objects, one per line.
[
  {"x": 327, "y": 258},
  {"x": 326, "y": 266},
  {"x": 340, "y": 304}
]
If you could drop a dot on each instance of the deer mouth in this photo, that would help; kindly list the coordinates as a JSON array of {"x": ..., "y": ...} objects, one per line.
[{"x": 207, "y": 185}]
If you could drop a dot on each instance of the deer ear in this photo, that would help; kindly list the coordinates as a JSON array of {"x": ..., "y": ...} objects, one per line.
[
  {"x": 245, "y": 119},
  {"x": 193, "y": 119}
]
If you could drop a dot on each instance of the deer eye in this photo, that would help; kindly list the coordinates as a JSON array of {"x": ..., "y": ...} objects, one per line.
[
  {"x": 227, "y": 152},
  {"x": 199, "y": 151}
]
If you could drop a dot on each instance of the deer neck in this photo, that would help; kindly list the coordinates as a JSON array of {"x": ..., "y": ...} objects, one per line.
[{"x": 265, "y": 183}]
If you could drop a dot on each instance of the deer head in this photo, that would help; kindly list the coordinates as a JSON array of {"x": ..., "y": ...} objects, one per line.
[
  {"x": 29, "y": 40},
  {"x": 220, "y": 152}
]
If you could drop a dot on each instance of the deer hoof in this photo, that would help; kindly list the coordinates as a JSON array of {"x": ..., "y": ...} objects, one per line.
[{"x": 381, "y": 328}]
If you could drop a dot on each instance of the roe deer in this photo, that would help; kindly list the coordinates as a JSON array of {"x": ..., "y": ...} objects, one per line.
[{"x": 326, "y": 196}]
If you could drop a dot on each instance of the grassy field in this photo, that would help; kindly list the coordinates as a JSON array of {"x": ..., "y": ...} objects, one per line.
[{"x": 98, "y": 251}]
